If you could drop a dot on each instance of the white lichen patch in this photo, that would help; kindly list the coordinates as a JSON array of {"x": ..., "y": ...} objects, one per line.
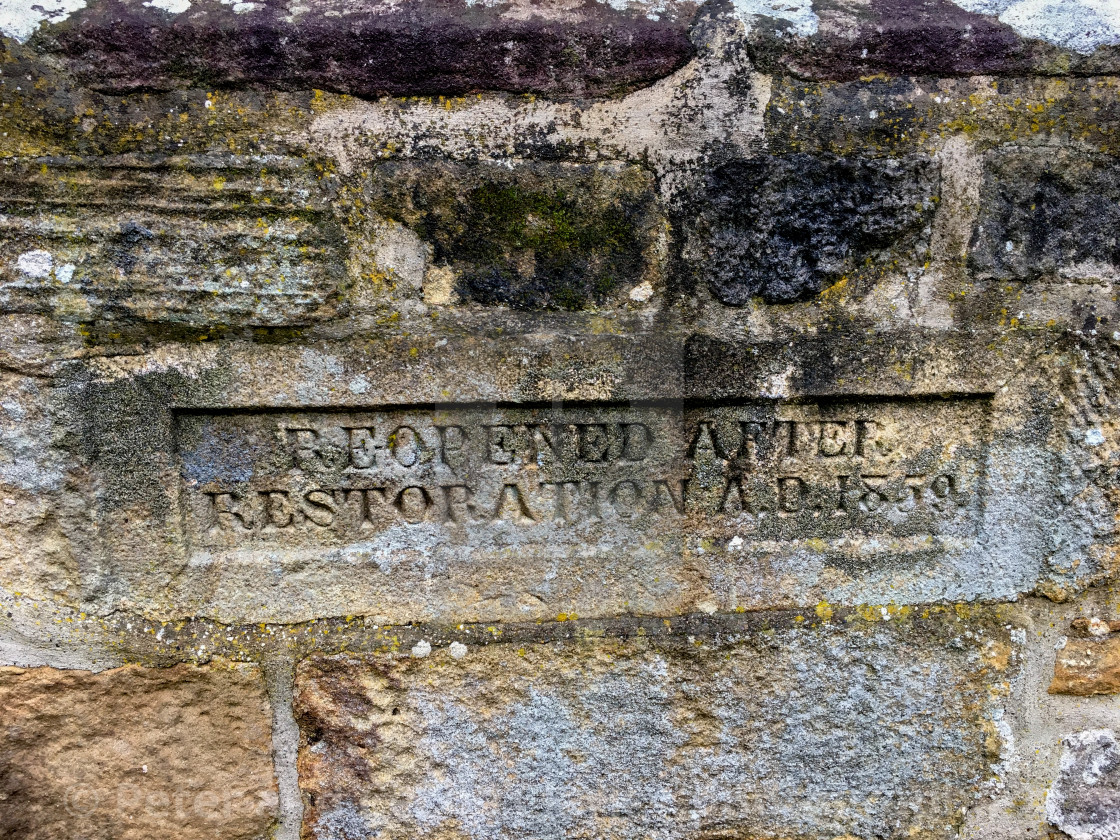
[
  {"x": 1078, "y": 25},
  {"x": 421, "y": 649},
  {"x": 797, "y": 13},
  {"x": 65, "y": 273},
  {"x": 174, "y": 7},
  {"x": 20, "y": 18},
  {"x": 241, "y": 8},
  {"x": 457, "y": 650},
  {"x": 35, "y": 264},
  {"x": 642, "y": 292},
  {"x": 1080, "y": 802}
]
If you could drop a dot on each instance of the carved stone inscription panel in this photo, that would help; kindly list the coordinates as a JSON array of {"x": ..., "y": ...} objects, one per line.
[{"x": 909, "y": 470}]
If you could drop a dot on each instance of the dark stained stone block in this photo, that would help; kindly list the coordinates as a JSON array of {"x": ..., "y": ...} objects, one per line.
[
  {"x": 1047, "y": 214},
  {"x": 784, "y": 227},
  {"x": 855, "y": 38},
  {"x": 547, "y": 236},
  {"x": 372, "y": 49}
]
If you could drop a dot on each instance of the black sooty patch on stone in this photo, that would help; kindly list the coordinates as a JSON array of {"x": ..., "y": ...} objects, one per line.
[
  {"x": 418, "y": 47},
  {"x": 1047, "y": 213},
  {"x": 785, "y": 227},
  {"x": 547, "y": 236}
]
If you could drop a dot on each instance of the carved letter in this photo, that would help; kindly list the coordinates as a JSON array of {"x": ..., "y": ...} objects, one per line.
[
  {"x": 561, "y": 491},
  {"x": 662, "y": 489},
  {"x": 365, "y": 510},
  {"x": 306, "y": 449},
  {"x": 625, "y": 497},
  {"x": 320, "y": 508},
  {"x": 834, "y": 438},
  {"x": 594, "y": 441},
  {"x": 791, "y": 494},
  {"x": 500, "y": 440},
  {"x": 413, "y": 503},
  {"x": 638, "y": 438},
  {"x": 363, "y": 451},
  {"x": 224, "y": 516},
  {"x": 511, "y": 495},
  {"x": 277, "y": 508},
  {"x": 871, "y": 439},
  {"x": 457, "y": 500},
  {"x": 406, "y": 446},
  {"x": 452, "y": 439}
]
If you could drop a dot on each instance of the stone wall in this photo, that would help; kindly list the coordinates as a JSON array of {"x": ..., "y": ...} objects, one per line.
[{"x": 510, "y": 420}]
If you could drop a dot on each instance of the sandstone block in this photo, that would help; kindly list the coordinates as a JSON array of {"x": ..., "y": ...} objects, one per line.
[
  {"x": 539, "y": 236},
  {"x": 1088, "y": 666},
  {"x": 370, "y": 49},
  {"x": 849, "y": 38},
  {"x": 136, "y": 753},
  {"x": 179, "y": 241},
  {"x": 876, "y": 731}
]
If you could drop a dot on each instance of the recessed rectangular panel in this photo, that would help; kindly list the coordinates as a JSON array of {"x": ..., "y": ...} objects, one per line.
[{"x": 764, "y": 471}]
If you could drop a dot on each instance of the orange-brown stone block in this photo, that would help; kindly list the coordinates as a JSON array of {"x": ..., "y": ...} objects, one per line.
[
  {"x": 136, "y": 753},
  {"x": 1088, "y": 666}
]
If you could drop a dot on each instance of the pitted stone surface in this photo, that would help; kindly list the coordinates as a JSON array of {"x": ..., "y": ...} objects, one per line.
[
  {"x": 1047, "y": 216},
  {"x": 136, "y": 752},
  {"x": 534, "y": 237},
  {"x": 784, "y": 228},
  {"x": 1085, "y": 799},
  {"x": 370, "y": 49},
  {"x": 637, "y": 396},
  {"x": 1088, "y": 666},
  {"x": 822, "y": 732}
]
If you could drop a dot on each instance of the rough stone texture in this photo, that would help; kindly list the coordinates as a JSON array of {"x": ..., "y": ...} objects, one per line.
[
  {"x": 136, "y": 752},
  {"x": 545, "y": 237},
  {"x": 634, "y": 335},
  {"x": 1048, "y": 215},
  {"x": 784, "y": 228},
  {"x": 246, "y": 243},
  {"x": 1085, "y": 799},
  {"x": 872, "y": 730},
  {"x": 848, "y": 38},
  {"x": 1088, "y": 666},
  {"x": 370, "y": 49}
]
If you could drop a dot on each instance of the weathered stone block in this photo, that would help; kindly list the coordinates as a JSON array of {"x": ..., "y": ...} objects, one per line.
[
  {"x": 193, "y": 241},
  {"x": 1084, "y": 801},
  {"x": 784, "y": 227},
  {"x": 1087, "y": 666},
  {"x": 1048, "y": 215},
  {"x": 136, "y": 753},
  {"x": 371, "y": 49},
  {"x": 869, "y": 730},
  {"x": 535, "y": 237},
  {"x": 852, "y": 38},
  {"x": 887, "y": 116},
  {"x": 396, "y": 511}
]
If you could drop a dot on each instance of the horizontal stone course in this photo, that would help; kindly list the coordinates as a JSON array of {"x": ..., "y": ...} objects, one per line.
[{"x": 373, "y": 49}]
